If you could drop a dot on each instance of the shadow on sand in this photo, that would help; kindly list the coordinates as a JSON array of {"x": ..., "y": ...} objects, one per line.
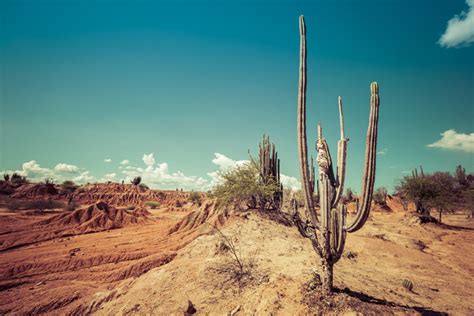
[{"x": 372, "y": 300}]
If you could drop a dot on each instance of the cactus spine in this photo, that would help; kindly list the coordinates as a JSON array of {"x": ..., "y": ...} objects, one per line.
[{"x": 328, "y": 235}]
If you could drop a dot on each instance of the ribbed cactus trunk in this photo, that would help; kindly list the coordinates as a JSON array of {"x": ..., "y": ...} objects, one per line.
[
  {"x": 328, "y": 235},
  {"x": 269, "y": 165}
]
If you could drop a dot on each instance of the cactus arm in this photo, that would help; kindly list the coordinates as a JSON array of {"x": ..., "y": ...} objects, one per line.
[
  {"x": 312, "y": 178},
  {"x": 302, "y": 144},
  {"x": 341, "y": 157},
  {"x": 339, "y": 232},
  {"x": 370, "y": 161}
]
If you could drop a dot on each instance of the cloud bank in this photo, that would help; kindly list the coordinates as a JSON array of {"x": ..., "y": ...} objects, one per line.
[
  {"x": 61, "y": 172},
  {"x": 460, "y": 29},
  {"x": 153, "y": 173},
  {"x": 452, "y": 140}
]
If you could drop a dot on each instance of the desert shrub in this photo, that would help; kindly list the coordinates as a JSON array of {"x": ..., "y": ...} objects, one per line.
[
  {"x": 152, "y": 204},
  {"x": 16, "y": 180},
  {"x": 348, "y": 197},
  {"x": 178, "y": 203},
  {"x": 143, "y": 186},
  {"x": 46, "y": 204},
  {"x": 315, "y": 281},
  {"x": 136, "y": 180},
  {"x": 241, "y": 185},
  {"x": 6, "y": 177},
  {"x": 239, "y": 268},
  {"x": 41, "y": 205},
  {"x": 289, "y": 195},
  {"x": 380, "y": 196},
  {"x": 48, "y": 181},
  {"x": 69, "y": 186},
  {"x": 13, "y": 205},
  {"x": 195, "y": 197}
]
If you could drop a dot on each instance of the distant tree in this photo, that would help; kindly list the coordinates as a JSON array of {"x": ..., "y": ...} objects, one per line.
[
  {"x": 69, "y": 186},
  {"x": 144, "y": 186},
  {"x": 461, "y": 177},
  {"x": 380, "y": 196},
  {"x": 468, "y": 201},
  {"x": 17, "y": 180},
  {"x": 136, "y": 180},
  {"x": 431, "y": 191},
  {"x": 6, "y": 177},
  {"x": 349, "y": 196},
  {"x": 419, "y": 190},
  {"x": 446, "y": 195},
  {"x": 195, "y": 197}
]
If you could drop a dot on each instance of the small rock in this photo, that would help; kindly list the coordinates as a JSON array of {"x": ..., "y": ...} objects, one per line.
[{"x": 191, "y": 309}]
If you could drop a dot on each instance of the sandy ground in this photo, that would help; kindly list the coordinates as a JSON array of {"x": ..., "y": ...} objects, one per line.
[
  {"x": 59, "y": 275},
  {"x": 142, "y": 270}
]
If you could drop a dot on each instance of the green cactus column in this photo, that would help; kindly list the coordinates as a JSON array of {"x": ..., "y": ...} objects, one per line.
[{"x": 328, "y": 235}]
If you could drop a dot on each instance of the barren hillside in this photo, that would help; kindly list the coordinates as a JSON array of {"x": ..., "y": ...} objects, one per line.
[{"x": 173, "y": 257}]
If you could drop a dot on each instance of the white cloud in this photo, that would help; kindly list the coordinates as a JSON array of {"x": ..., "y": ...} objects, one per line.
[
  {"x": 225, "y": 162},
  {"x": 61, "y": 172},
  {"x": 159, "y": 176},
  {"x": 110, "y": 176},
  {"x": 290, "y": 182},
  {"x": 460, "y": 30},
  {"x": 84, "y": 177},
  {"x": 124, "y": 162},
  {"x": 107, "y": 160},
  {"x": 382, "y": 152},
  {"x": 149, "y": 160},
  {"x": 453, "y": 140},
  {"x": 32, "y": 167},
  {"x": 62, "y": 167}
]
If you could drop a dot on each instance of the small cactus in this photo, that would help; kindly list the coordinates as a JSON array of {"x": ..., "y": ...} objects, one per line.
[{"x": 407, "y": 284}]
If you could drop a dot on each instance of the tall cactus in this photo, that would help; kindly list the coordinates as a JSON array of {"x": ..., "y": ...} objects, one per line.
[
  {"x": 328, "y": 234},
  {"x": 269, "y": 169}
]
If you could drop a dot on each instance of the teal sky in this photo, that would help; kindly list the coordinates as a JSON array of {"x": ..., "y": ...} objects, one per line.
[{"x": 84, "y": 81}]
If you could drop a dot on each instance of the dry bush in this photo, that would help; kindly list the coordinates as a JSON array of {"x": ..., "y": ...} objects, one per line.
[
  {"x": 14, "y": 205},
  {"x": 195, "y": 197},
  {"x": 239, "y": 269}
]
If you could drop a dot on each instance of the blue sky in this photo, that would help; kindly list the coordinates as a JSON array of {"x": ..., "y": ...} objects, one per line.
[{"x": 87, "y": 81}]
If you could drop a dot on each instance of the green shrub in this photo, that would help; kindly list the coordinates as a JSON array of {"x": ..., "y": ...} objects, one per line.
[
  {"x": 41, "y": 205},
  {"x": 152, "y": 204},
  {"x": 48, "y": 181},
  {"x": 16, "y": 180},
  {"x": 195, "y": 197},
  {"x": 241, "y": 185},
  {"x": 136, "y": 180},
  {"x": 380, "y": 196},
  {"x": 69, "y": 186}
]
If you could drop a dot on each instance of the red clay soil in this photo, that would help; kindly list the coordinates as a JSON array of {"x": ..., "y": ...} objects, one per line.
[
  {"x": 114, "y": 194},
  {"x": 54, "y": 263}
]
